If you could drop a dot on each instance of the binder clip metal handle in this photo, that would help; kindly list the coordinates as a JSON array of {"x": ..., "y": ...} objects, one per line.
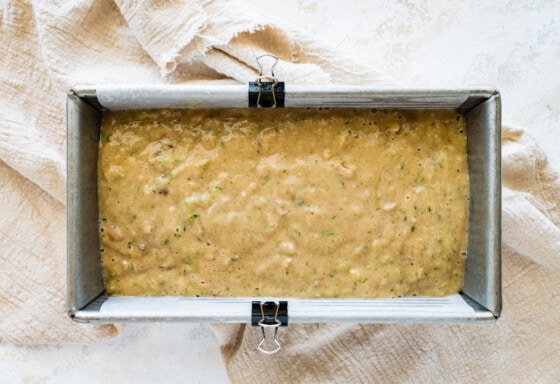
[
  {"x": 271, "y": 77},
  {"x": 261, "y": 347}
]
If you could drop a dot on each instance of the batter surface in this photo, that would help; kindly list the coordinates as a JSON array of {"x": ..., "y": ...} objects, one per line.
[{"x": 283, "y": 202}]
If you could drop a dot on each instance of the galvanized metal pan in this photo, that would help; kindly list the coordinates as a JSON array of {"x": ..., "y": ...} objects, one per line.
[{"x": 479, "y": 301}]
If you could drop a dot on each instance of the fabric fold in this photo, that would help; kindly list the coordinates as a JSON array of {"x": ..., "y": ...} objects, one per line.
[
  {"x": 164, "y": 28},
  {"x": 531, "y": 195},
  {"x": 32, "y": 277}
]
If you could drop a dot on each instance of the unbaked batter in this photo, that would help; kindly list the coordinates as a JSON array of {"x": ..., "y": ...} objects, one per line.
[{"x": 283, "y": 202}]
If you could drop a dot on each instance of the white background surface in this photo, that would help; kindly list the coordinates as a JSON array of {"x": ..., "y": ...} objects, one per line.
[{"x": 511, "y": 45}]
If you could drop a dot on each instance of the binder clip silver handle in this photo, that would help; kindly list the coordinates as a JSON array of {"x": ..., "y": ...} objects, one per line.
[
  {"x": 261, "y": 346},
  {"x": 270, "y": 77}
]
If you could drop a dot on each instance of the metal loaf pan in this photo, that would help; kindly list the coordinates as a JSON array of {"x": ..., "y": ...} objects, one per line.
[{"x": 479, "y": 301}]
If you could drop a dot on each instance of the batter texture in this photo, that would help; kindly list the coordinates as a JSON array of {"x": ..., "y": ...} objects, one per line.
[{"x": 307, "y": 203}]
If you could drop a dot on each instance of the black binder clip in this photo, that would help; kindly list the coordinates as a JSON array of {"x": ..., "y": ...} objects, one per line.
[
  {"x": 269, "y": 316},
  {"x": 266, "y": 91}
]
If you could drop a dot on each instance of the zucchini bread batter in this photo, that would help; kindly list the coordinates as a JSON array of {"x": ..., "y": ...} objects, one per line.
[{"x": 360, "y": 203}]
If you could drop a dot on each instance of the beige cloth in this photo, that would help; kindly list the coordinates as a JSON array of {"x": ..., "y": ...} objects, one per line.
[{"x": 48, "y": 46}]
